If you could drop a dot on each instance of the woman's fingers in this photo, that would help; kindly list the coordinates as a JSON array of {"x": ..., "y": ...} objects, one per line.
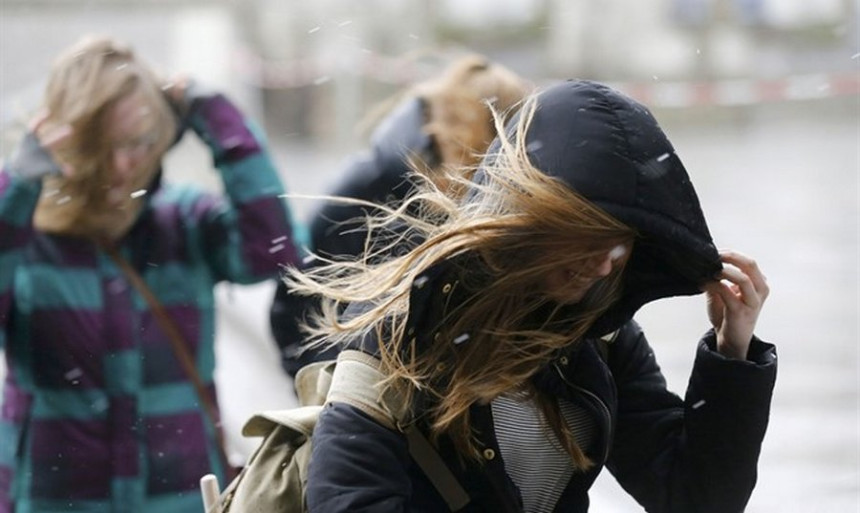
[
  {"x": 175, "y": 89},
  {"x": 735, "y": 300},
  {"x": 37, "y": 120},
  {"x": 719, "y": 293},
  {"x": 55, "y": 137},
  {"x": 749, "y": 267},
  {"x": 715, "y": 291},
  {"x": 52, "y": 137},
  {"x": 745, "y": 291}
]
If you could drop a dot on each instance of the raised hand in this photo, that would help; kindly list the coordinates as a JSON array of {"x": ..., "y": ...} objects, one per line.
[
  {"x": 734, "y": 303},
  {"x": 36, "y": 155},
  {"x": 175, "y": 90}
]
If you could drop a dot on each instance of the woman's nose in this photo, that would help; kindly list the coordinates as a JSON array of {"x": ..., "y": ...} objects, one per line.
[{"x": 125, "y": 161}]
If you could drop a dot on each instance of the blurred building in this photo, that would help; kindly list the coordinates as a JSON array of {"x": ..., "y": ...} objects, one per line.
[
  {"x": 312, "y": 69},
  {"x": 321, "y": 64}
]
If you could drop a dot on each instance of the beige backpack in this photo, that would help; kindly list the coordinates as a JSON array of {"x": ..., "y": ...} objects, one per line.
[{"x": 275, "y": 476}]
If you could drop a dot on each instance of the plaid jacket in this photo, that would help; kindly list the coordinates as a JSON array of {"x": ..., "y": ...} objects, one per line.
[{"x": 97, "y": 414}]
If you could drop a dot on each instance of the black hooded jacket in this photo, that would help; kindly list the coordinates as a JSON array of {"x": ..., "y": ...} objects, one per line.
[{"x": 696, "y": 454}]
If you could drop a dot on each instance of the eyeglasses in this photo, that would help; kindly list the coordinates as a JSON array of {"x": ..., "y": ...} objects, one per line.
[{"x": 139, "y": 144}]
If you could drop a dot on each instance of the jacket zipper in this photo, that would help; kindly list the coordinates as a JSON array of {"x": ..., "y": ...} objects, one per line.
[{"x": 602, "y": 406}]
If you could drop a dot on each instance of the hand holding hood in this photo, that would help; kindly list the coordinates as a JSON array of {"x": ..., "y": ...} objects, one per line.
[{"x": 611, "y": 150}]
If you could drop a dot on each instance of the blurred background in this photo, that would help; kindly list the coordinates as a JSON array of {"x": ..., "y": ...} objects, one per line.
[{"x": 761, "y": 99}]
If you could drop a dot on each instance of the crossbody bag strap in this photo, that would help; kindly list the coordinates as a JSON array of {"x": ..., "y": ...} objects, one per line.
[
  {"x": 356, "y": 381},
  {"x": 180, "y": 348},
  {"x": 436, "y": 470}
]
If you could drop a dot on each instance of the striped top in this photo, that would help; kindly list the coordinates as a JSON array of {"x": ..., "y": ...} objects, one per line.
[
  {"x": 534, "y": 458},
  {"x": 97, "y": 414}
]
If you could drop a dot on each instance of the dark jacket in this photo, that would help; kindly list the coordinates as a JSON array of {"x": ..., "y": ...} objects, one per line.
[
  {"x": 338, "y": 230},
  {"x": 693, "y": 455}
]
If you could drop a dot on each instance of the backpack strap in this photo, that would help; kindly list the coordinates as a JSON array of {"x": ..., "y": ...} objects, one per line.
[{"x": 356, "y": 381}]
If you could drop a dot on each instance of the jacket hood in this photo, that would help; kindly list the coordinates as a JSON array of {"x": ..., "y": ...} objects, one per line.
[
  {"x": 611, "y": 150},
  {"x": 400, "y": 135}
]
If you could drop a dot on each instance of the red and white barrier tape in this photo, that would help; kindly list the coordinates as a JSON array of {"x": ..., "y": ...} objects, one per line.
[
  {"x": 658, "y": 93},
  {"x": 738, "y": 92}
]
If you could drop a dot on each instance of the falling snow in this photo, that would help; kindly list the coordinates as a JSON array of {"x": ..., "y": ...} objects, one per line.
[
  {"x": 617, "y": 252},
  {"x": 462, "y": 338},
  {"x": 534, "y": 146},
  {"x": 233, "y": 142},
  {"x": 74, "y": 374}
]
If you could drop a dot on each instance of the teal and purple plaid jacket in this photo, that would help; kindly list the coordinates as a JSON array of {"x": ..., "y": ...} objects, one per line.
[{"x": 97, "y": 414}]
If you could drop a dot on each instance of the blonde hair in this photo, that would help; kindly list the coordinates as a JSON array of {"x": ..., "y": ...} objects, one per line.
[
  {"x": 86, "y": 80},
  {"x": 517, "y": 224},
  {"x": 459, "y": 106}
]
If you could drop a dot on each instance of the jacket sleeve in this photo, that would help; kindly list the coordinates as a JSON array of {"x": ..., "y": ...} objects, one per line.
[
  {"x": 20, "y": 187},
  {"x": 286, "y": 312},
  {"x": 247, "y": 235},
  {"x": 339, "y": 229},
  {"x": 357, "y": 465},
  {"x": 285, "y": 315},
  {"x": 697, "y": 455}
]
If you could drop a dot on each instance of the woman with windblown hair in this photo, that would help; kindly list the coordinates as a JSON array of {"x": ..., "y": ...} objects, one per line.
[
  {"x": 509, "y": 330},
  {"x": 98, "y": 413},
  {"x": 440, "y": 126}
]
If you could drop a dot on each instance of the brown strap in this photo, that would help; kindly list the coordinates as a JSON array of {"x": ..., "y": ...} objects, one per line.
[
  {"x": 436, "y": 470},
  {"x": 180, "y": 348},
  {"x": 356, "y": 382}
]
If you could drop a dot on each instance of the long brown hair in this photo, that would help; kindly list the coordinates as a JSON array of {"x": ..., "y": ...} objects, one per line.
[
  {"x": 519, "y": 224},
  {"x": 86, "y": 80}
]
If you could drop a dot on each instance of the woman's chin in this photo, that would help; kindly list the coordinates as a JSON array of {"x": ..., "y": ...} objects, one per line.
[{"x": 121, "y": 199}]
